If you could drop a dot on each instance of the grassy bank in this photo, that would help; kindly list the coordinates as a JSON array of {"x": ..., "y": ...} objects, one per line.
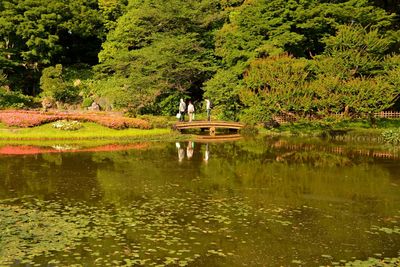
[
  {"x": 346, "y": 129},
  {"x": 89, "y": 131},
  {"x": 381, "y": 131}
]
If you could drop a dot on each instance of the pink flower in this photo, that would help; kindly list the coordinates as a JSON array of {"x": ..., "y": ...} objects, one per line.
[{"x": 24, "y": 118}]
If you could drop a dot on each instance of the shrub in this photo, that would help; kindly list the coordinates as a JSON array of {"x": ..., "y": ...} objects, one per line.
[
  {"x": 14, "y": 99},
  {"x": 158, "y": 121},
  {"x": 271, "y": 124},
  {"x": 391, "y": 136},
  {"x": 54, "y": 85},
  {"x": 168, "y": 103},
  {"x": 34, "y": 118},
  {"x": 25, "y": 118},
  {"x": 87, "y": 102},
  {"x": 249, "y": 130},
  {"x": 66, "y": 125}
]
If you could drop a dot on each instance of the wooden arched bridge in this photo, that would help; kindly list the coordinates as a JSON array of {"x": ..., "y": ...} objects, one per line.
[{"x": 210, "y": 125}]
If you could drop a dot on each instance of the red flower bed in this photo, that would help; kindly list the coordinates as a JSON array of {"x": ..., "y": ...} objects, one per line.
[{"x": 17, "y": 118}]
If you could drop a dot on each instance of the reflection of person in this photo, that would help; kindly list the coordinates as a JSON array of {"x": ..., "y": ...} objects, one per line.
[
  {"x": 189, "y": 150},
  {"x": 190, "y": 111},
  {"x": 208, "y": 109},
  {"x": 206, "y": 154},
  {"x": 182, "y": 108},
  {"x": 181, "y": 154},
  {"x": 181, "y": 151}
]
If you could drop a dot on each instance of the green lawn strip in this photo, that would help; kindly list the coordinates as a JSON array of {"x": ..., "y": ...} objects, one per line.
[{"x": 89, "y": 131}]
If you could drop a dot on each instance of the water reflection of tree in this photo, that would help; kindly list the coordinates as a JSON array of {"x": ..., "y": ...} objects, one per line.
[
  {"x": 317, "y": 190},
  {"x": 239, "y": 180},
  {"x": 50, "y": 176},
  {"x": 315, "y": 158},
  {"x": 266, "y": 166},
  {"x": 281, "y": 173},
  {"x": 317, "y": 150},
  {"x": 135, "y": 174}
]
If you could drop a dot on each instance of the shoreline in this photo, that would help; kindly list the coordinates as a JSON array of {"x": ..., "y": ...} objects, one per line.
[
  {"x": 90, "y": 131},
  {"x": 95, "y": 133}
]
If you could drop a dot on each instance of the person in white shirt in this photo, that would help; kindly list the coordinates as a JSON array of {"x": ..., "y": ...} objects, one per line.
[
  {"x": 190, "y": 111},
  {"x": 182, "y": 109},
  {"x": 208, "y": 109}
]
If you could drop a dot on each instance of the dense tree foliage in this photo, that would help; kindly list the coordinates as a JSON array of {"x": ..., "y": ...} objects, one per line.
[
  {"x": 352, "y": 75},
  {"x": 159, "y": 49},
  {"x": 36, "y": 34},
  {"x": 261, "y": 28},
  {"x": 253, "y": 59}
]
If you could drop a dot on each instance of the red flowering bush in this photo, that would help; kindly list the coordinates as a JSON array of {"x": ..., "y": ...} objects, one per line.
[
  {"x": 17, "y": 118},
  {"x": 25, "y": 119}
]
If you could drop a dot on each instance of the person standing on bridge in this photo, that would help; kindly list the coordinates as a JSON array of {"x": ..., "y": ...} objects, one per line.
[
  {"x": 208, "y": 109},
  {"x": 190, "y": 111},
  {"x": 182, "y": 109}
]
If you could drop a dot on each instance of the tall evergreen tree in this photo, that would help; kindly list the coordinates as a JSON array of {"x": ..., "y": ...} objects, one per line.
[{"x": 35, "y": 34}]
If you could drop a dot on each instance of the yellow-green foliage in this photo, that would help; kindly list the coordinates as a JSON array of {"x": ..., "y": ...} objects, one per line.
[
  {"x": 282, "y": 84},
  {"x": 89, "y": 131}
]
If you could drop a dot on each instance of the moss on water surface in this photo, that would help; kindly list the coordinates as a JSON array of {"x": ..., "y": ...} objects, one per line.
[
  {"x": 157, "y": 231},
  {"x": 152, "y": 232},
  {"x": 258, "y": 202}
]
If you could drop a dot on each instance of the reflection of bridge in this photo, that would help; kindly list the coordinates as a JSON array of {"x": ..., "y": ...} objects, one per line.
[
  {"x": 217, "y": 138},
  {"x": 210, "y": 125}
]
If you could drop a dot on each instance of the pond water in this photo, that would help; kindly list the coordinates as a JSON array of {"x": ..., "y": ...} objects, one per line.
[{"x": 261, "y": 202}]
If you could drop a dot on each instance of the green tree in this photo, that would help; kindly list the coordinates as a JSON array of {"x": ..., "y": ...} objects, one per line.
[
  {"x": 53, "y": 85},
  {"x": 358, "y": 50},
  {"x": 298, "y": 27},
  {"x": 353, "y": 75},
  {"x": 223, "y": 90},
  {"x": 111, "y": 10},
  {"x": 158, "y": 49},
  {"x": 261, "y": 28},
  {"x": 368, "y": 95},
  {"x": 278, "y": 84},
  {"x": 35, "y": 34},
  {"x": 359, "y": 74}
]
